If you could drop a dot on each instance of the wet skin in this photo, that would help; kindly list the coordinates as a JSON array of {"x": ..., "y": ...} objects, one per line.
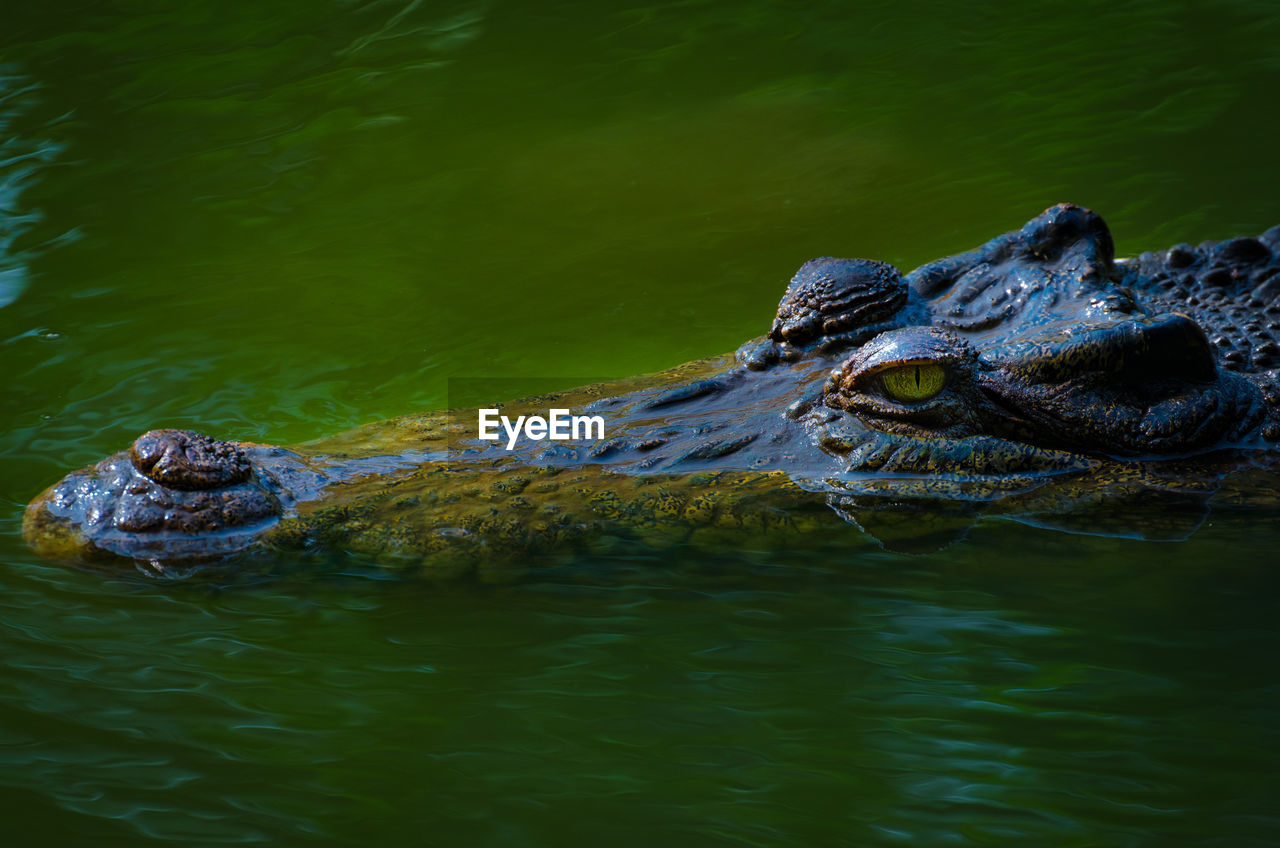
[{"x": 1034, "y": 372}]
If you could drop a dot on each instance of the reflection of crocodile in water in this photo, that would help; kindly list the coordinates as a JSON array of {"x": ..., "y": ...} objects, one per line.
[{"x": 1034, "y": 376}]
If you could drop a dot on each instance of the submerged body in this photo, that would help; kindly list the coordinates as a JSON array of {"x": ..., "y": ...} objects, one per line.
[{"x": 1034, "y": 372}]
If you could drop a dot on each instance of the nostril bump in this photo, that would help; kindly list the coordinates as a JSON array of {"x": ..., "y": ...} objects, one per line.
[{"x": 189, "y": 461}]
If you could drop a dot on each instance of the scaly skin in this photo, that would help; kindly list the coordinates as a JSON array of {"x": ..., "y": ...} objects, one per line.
[{"x": 1042, "y": 377}]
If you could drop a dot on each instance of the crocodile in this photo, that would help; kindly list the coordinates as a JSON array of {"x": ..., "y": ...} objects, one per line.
[{"x": 1036, "y": 376}]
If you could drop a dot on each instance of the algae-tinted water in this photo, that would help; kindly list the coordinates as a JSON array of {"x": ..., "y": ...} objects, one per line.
[{"x": 276, "y": 221}]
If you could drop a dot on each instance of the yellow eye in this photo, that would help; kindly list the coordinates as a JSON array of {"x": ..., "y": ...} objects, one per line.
[{"x": 913, "y": 383}]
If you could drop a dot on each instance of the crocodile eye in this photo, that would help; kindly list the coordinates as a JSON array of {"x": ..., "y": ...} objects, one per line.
[{"x": 913, "y": 383}]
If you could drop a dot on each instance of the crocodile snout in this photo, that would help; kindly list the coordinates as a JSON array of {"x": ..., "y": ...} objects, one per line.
[{"x": 173, "y": 494}]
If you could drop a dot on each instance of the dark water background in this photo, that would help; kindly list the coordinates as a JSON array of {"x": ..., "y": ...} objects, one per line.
[{"x": 274, "y": 221}]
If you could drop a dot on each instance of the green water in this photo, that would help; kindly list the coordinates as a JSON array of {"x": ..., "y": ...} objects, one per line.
[{"x": 274, "y": 221}]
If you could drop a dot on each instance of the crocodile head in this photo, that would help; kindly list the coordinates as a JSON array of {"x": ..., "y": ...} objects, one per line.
[
  {"x": 1035, "y": 353},
  {"x": 1038, "y": 357}
]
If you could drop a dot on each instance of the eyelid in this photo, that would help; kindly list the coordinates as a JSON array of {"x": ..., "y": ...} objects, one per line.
[{"x": 881, "y": 367}]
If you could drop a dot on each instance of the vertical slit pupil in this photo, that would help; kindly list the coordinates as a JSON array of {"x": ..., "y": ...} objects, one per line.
[{"x": 917, "y": 376}]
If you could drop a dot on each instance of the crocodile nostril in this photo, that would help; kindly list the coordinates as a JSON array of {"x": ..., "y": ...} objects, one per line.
[{"x": 189, "y": 461}]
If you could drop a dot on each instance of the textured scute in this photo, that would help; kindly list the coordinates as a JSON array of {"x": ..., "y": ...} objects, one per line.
[
  {"x": 1271, "y": 238},
  {"x": 1231, "y": 288},
  {"x": 1064, "y": 227},
  {"x": 828, "y": 296},
  {"x": 1059, "y": 260},
  {"x": 1066, "y": 235}
]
